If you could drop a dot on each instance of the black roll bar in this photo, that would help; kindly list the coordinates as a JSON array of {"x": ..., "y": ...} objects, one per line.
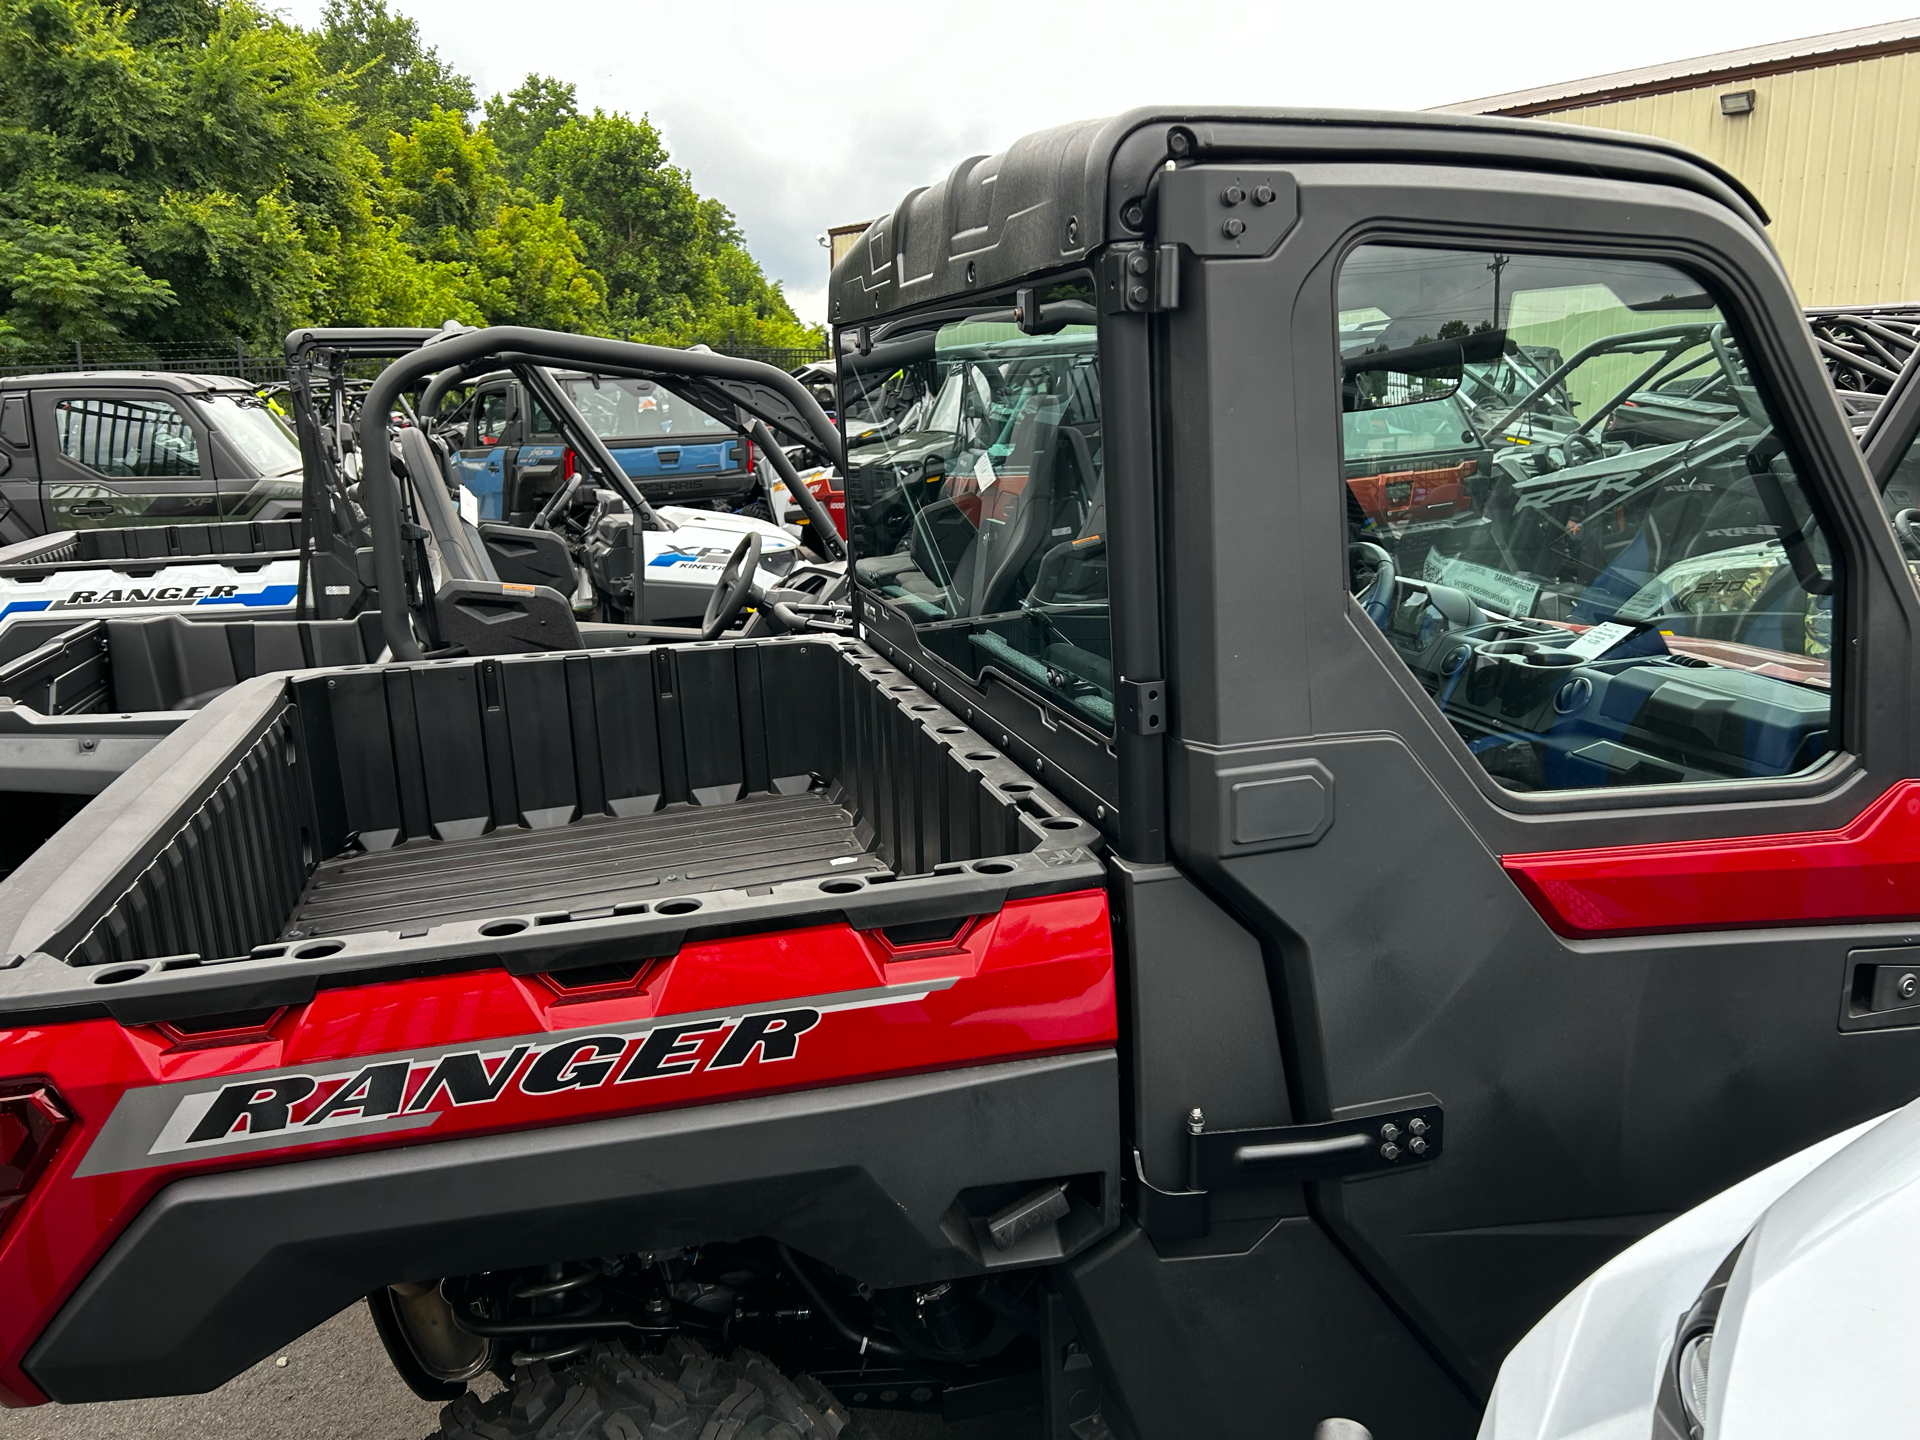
[{"x": 763, "y": 391}]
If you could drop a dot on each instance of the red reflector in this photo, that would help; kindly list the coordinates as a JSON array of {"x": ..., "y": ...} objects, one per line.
[
  {"x": 1869, "y": 870},
  {"x": 567, "y": 463},
  {"x": 32, "y": 1120}
]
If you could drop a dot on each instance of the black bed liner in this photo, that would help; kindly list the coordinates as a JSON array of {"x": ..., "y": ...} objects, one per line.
[
  {"x": 598, "y": 863},
  {"x": 538, "y": 812}
]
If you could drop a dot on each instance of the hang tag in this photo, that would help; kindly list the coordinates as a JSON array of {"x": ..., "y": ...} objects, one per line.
[
  {"x": 1600, "y": 639},
  {"x": 469, "y": 506}
]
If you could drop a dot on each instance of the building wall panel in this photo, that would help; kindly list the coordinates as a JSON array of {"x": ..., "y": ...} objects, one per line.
[{"x": 1833, "y": 153}]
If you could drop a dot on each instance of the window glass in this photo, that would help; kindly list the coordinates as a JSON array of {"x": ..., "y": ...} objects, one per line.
[
  {"x": 974, "y": 495},
  {"x": 491, "y": 414},
  {"x": 127, "y": 437},
  {"x": 637, "y": 410},
  {"x": 249, "y": 424},
  {"x": 1901, "y": 499},
  {"x": 1568, "y": 511}
]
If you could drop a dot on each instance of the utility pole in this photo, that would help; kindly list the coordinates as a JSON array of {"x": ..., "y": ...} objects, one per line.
[{"x": 1496, "y": 265}]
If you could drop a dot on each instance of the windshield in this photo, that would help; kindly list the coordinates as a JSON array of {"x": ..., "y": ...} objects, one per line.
[
  {"x": 259, "y": 433},
  {"x": 974, "y": 495},
  {"x": 1574, "y": 456},
  {"x": 637, "y": 410}
]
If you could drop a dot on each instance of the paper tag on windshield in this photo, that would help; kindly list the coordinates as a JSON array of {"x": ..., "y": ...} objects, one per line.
[
  {"x": 983, "y": 472},
  {"x": 1601, "y": 638},
  {"x": 469, "y": 506}
]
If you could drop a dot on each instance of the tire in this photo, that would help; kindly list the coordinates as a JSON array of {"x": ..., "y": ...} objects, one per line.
[{"x": 685, "y": 1393}]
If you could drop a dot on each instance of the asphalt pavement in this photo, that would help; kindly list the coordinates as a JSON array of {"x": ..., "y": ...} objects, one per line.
[{"x": 335, "y": 1383}]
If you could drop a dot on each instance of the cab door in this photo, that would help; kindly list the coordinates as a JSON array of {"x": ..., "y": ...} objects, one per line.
[
  {"x": 115, "y": 456},
  {"x": 1552, "y": 808}
]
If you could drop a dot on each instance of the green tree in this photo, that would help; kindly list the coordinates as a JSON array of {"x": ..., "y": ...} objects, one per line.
[
  {"x": 185, "y": 186},
  {"x": 445, "y": 181},
  {"x": 675, "y": 265},
  {"x": 382, "y": 68},
  {"x": 519, "y": 120}
]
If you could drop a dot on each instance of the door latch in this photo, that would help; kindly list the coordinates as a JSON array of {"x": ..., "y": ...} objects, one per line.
[{"x": 1402, "y": 1135}]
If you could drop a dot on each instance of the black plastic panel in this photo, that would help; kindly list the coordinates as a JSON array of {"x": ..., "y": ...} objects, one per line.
[{"x": 862, "y": 1176}]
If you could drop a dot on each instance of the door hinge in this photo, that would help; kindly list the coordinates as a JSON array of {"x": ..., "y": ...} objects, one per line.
[
  {"x": 1143, "y": 706},
  {"x": 1140, "y": 279}
]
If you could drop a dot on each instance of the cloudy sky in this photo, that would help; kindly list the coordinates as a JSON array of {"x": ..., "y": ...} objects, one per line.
[{"x": 804, "y": 116}]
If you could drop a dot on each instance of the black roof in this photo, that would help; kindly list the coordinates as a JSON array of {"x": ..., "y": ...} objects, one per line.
[
  {"x": 178, "y": 381},
  {"x": 1053, "y": 196}
]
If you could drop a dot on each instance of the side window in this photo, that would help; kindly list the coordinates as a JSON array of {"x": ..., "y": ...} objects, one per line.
[
  {"x": 14, "y": 427},
  {"x": 975, "y": 495},
  {"x": 127, "y": 438},
  {"x": 1569, "y": 513},
  {"x": 491, "y": 414}
]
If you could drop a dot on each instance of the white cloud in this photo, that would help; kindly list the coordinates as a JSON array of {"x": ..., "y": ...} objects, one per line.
[{"x": 800, "y": 117}]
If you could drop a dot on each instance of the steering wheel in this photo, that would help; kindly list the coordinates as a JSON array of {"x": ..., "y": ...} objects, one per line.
[
  {"x": 1588, "y": 447},
  {"x": 730, "y": 591},
  {"x": 1906, "y": 524},
  {"x": 1375, "y": 594}
]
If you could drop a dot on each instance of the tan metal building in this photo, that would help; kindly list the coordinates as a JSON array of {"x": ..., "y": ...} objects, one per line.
[{"x": 1826, "y": 131}]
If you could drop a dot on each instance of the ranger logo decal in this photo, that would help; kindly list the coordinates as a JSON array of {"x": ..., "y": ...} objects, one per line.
[{"x": 278, "y": 1109}]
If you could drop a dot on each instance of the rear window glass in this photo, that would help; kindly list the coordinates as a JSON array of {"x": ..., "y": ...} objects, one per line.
[
  {"x": 975, "y": 496},
  {"x": 638, "y": 410}
]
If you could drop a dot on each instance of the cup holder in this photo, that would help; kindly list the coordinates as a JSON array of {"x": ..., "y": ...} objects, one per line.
[
  {"x": 982, "y": 755},
  {"x": 1060, "y": 822},
  {"x": 1552, "y": 660},
  {"x": 843, "y": 887},
  {"x": 993, "y": 867},
  {"x": 494, "y": 929},
  {"x": 676, "y": 907},
  {"x": 318, "y": 948},
  {"x": 119, "y": 974}
]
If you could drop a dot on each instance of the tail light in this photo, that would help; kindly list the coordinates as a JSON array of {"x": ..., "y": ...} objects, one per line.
[
  {"x": 32, "y": 1124},
  {"x": 567, "y": 463},
  {"x": 750, "y": 456}
]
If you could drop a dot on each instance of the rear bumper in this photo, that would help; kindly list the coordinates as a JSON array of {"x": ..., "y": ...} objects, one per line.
[{"x": 218, "y": 1271}]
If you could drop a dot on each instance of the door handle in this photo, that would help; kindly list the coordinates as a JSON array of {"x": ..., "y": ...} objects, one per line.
[
  {"x": 668, "y": 457},
  {"x": 91, "y": 509}
]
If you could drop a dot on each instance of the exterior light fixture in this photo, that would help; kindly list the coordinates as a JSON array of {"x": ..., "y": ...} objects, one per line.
[{"x": 1737, "y": 102}]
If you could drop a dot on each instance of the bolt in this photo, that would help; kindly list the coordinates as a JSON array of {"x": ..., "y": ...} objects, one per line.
[
  {"x": 1234, "y": 228},
  {"x": 1179, "y": 142},
  {"x": 1389, "y": 1131},
  {"x": 1133, "y": 215},
  {"x": 1263, "y": 195},
  {"x": 970, "y": 272},
  {"x": 1909, "y": 983},
  {"x": 1196, "y": 1120},
  {"x": 1137, "y": 262},
  {"x": 1138, "y": 294},
  {"x": 1417, "y": 1145},
  {"x": 1389, "y": 1151},
  {"x": 1232, "y": 195},
  {"x": 1073, "y": 230},
  {"x": 90, "y": 744},
  {"x": 1417, "y": 1125}
]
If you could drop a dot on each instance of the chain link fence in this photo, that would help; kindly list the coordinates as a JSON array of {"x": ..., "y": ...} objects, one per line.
[{"x": 267, "y": 369}]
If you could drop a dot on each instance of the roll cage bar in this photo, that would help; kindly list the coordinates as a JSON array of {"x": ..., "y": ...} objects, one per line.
[{"x": 722, "y": 385}]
